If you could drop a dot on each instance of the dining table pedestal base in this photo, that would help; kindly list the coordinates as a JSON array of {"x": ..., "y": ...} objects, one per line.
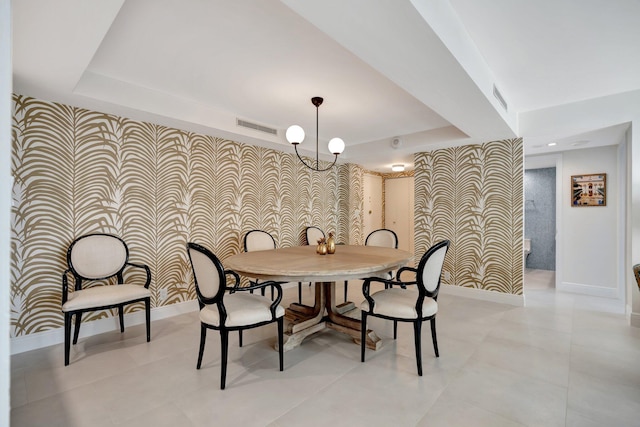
[{"x": 303, "y": 320}]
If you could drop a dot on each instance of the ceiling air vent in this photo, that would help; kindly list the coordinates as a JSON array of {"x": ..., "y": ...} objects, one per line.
[
  {"x": 499, "y": 97},
  {"x": 256, "y": 126}
]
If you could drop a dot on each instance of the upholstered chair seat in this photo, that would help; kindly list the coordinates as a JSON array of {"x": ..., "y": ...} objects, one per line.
[
  {"x": 400, "y": 303},
  {"x": 100, "y": 296},
  {"x": 243, "y": 309}
]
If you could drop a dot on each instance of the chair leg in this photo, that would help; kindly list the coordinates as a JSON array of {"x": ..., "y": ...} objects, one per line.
[
  {"x": 147, "y": 312},
  {"x": 363, "y": 335},
  {"x": 434, "y": 338},
  {"x": 67, "y": 337},
  {"x": 299, "y": 293},
  {"x": 76, "y": 328},
  {"x": 240, "y": 337},
  {"x": 224, "y": 341},
  {"x": 346, "y": 283},
  {"x": 121, "y": 317},
  {"x": 395, "y": 329},
  {"x": 417, "y": 329},
  {"x": 281, "y": 342},
  {"x": 203, "y": 339}
]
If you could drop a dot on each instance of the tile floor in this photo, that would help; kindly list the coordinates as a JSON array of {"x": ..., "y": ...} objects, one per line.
[{"x": 562, "y": 360}]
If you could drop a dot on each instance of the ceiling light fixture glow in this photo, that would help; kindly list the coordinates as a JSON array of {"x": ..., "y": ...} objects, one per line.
[{"x": 397, "y": 168}]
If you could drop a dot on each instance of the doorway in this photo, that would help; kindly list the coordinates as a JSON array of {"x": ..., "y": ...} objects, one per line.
[
  {"x": 399, "y": 212},
  {"x": 539, "y": 250}
]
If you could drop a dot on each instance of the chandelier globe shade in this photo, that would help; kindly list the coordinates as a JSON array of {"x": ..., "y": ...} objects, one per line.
[
  {"x": 336, "y": 146},
  {"x": 295, "y": 134}
]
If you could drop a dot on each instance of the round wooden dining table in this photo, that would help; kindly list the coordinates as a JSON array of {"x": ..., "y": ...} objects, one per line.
[{"x": 303, "y": 264}]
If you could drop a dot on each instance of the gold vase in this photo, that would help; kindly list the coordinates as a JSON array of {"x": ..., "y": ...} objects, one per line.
[
  {"x": 331, "y": 244},
  {"x": 321, "y": 248}
]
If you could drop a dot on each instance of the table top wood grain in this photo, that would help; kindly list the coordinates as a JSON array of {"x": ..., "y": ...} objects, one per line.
[{"x": 303, "y": 264}]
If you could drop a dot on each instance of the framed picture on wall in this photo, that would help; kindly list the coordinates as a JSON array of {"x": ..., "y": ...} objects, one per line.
[{"x": 589, "y": 190}]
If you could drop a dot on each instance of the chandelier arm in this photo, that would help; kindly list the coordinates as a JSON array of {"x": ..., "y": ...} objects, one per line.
[{"x": 317, "y": 169}]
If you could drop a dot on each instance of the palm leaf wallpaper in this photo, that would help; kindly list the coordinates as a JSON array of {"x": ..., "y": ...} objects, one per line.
[
  {"x": 473, "y": 196},
  {"x": 78, "y": 171}
]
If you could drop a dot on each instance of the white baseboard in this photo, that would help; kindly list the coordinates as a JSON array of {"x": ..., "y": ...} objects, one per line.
[
  {"x": 634, "y": 320},
  {"x": 483, "y": 294},
  {"x": 594, "y": 291},
  {"x": 56, "y": 336}
]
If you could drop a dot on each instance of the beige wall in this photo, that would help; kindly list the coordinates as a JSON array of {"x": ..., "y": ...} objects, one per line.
[
  {"x": 473, "y": 196},
  {"x": 78, "y": 171}
]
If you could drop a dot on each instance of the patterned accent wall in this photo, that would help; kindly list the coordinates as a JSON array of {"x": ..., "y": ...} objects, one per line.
[
  {"x": 78, "y": 171},
  {"x": 473, "y": 196}
]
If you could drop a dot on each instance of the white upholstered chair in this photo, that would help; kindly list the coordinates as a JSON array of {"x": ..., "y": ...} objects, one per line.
[
  {"x": 258, "y": 240},
  {"x": 234, "y": 310},
  {"x": 100, "y": 257},
  {"x": 405, "y": 304},
  {"x": 382, "y": 237},
  {"x": 311, "y": 235}
]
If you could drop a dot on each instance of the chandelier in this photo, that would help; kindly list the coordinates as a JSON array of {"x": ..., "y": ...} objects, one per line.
[{"x": 295, "y": 135}]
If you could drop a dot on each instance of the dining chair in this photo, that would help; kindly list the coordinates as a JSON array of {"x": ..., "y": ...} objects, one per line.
[
  {"x": 311, "y": 234},
  {"x": 258, "y": 240},
  {"x": 235, "y": 310},
  {"x": 96, "y": 261},
  {"x": 408, "y": 305},
  {"x": 382, "y": 237}
]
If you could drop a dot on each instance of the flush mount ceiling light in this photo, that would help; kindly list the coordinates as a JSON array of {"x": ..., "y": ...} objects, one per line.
[
  {"x": 552, "y": 144},
  {"x": 295, "y": 135},
  {"x": 397, "y": 168}
]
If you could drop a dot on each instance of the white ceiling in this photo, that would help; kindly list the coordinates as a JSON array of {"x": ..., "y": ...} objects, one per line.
[{"x": 422, "y": 71}]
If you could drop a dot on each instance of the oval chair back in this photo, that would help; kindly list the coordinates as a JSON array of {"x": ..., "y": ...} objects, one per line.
[
  {"x": 98, "y": 256},
  {"x": 208, "y": 274},
  {"x": 258, "y": 240},
  {"x": 382, "y": 237},
  {"x": 313, "y": 234},
  {"x": 430, "y": 268}
]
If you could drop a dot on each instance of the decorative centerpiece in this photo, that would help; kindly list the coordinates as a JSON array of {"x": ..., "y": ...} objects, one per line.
[
  {"x": 331, "y": 244},
  {"x": 322, "y": 246}
]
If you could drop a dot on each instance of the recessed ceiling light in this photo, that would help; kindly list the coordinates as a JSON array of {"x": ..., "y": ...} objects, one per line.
[
  {"x": 551, "y": 144},
  {"x": 578, "y": 143},
  {"x": 397, "y": 168}
]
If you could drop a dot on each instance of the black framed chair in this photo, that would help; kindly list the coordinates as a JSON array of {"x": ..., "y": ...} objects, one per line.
[
  {"x": 235, "y": 310},
  {"x": 381, "y": 237},
  {"x": 311, "y": 235},
  {"x": 100, "y": 257},
  {"x": 405, "y": 305},
  {"x": 258, "y": 240}
]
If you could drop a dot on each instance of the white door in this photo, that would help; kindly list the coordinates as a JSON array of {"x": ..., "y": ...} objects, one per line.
[
  {"x": 372, "y": 204},
  {"x": 398, "y": 212}
]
